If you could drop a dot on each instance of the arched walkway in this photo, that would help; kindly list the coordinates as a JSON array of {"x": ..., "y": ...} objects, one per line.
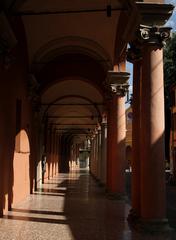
[{"x": 63, "y": 123}]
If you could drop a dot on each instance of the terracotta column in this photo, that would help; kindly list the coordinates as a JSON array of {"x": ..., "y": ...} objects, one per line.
[
  {"x": 111, "y": 139},
  {"x": 96, "y": 154},
  {"x": 153, "y": 204},
  {"x": 93, "y": 159},
  {"x": 116, "y": 127},
  {"x": 121, "y": 134},
  {"x": 99, "y": 155},
  {"x": 93, "y": 156},
  {"x": 134, "y": 56},
  {"x": 103, "y": 170},
  {"x": 38, "y": 170},
  {"x": 136, "y": 126},
  {"x": 59, "y": 152}
]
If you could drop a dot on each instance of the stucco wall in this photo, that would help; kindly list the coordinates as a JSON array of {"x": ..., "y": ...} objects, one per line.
[{"x": 15, "y": 167}]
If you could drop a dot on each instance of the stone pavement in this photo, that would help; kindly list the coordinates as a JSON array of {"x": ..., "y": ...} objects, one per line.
[{"x": 71, "y": 207}]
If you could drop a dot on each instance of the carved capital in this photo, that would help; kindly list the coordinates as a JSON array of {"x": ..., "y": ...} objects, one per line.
[
  {"x": 121, "y": 91},
  {"x": 118, "y": 82},
  {"x": 156, "y": 35},
  {"x": 134, "y": 53}
]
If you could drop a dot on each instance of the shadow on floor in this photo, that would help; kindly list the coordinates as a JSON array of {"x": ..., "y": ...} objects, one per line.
[
  {"x": 170, "y": 197},
  {"x": 36, "y": 211},
  {"x": 36, "y": 219},
  {"x": 87, "y": 211}
]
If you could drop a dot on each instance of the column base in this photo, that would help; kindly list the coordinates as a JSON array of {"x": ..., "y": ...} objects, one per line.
[
  {"x": 151, "y": 226},
  {"x": 102, "y": 185},
  {"x": 155, "y": 225},
  {"x": 94, "y": 177},
  {"x": 133, "y": 217},
  {"x": 171, "y": 180},
  {"x": 1, "y": 213}
]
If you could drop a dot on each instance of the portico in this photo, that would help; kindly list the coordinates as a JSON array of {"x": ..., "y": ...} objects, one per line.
[{"x": 66, "y": 65}]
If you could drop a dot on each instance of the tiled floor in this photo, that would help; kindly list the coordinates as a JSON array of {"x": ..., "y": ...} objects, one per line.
[{"x": 71, "y": 207}]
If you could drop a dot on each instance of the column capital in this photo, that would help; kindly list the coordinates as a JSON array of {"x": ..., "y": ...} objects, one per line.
[
  {"x": 104, "y": 124},
  {"x": 98, "y": 128},
  {"x": 118, "y": 82},
  {"x": 104, "y": 120},
  {"x": 153, "y": 35},
  {"x": 134, "y": 53}
]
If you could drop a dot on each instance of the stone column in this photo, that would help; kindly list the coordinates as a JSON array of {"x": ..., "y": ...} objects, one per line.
[
  {"x": 153, "y": 204},
  {"x": 116, "y": 134}
]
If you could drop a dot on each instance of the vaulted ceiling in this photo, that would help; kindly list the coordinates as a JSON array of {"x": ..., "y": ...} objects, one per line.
[{"x": 71, "y": 47}]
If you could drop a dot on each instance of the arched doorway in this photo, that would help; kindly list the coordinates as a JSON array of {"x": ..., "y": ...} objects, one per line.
[{"x": 21, "y": 167}]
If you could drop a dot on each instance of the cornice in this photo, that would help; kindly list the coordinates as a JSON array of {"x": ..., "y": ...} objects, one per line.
[{"x": 154, "y": 14}]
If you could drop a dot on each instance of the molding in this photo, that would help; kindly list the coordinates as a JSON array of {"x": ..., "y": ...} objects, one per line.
[
  {"x": 118, "y": 82},
  {"x": 156, "y": 36},
  {"x": 154, "y": 13}
]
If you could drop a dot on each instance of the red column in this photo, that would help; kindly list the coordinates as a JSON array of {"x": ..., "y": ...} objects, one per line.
[
  {"x": 136, "y": 140},
  {"x": 103, "y": 152},
  {"x": 121, "y": 135},
  {"x": 111, "y": 139},
  {"x": 99, "y": 154},
  {"x": 116, "y": 133},
  {"x": 116, "y": 146},
  {"x": 152, "y": 135},
  {"x": 96, "y": 154}
]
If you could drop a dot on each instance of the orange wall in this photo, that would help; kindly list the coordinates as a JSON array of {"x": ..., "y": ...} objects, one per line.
[{"x": 15, "y": 168}]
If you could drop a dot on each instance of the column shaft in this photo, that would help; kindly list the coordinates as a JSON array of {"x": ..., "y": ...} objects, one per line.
[
  {"x": 152, "y": 135},
  {"x": 103, "y": 152},
  {"x": 136, "y": 138},
  {"x": 111, "y": 139},
  {"x": 121, "y": 134},
  {"x": 99, "y": 155},
  {"x": 116, "y": 146}
]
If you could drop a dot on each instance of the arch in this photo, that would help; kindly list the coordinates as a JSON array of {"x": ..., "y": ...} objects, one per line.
[
  {"x": 78, "y": 78},
  {"x": 73, "y": 44},
  {"x": 23, "y": 140},
  {"x": 72, "y": 96},
  {"x": 21, "y": 167},
  {"x": 71, "y": 66}
]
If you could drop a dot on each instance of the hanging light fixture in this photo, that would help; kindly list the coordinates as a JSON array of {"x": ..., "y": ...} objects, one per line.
[{"x": 108, "y": 10}]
